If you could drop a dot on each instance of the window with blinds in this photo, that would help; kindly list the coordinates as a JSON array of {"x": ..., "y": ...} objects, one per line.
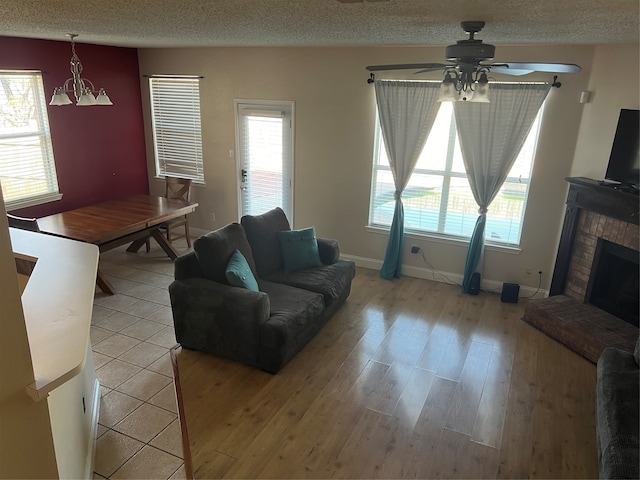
[
  {"x": 438, "y": 199},
  {"x": 177, "y": 135},
  {"x": 27, "y": 167},
  {"x": 265, "y": 157}
]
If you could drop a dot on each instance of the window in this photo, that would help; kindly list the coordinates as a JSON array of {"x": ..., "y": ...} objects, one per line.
[
  {"x": 438, "y": 198},
  {"x": 27, "y": 168},
  {"x": 175, "y": 118}
]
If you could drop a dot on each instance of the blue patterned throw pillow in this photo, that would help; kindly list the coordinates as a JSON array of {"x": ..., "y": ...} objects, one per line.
[
  {"x": 239, "y": 273},
  {"x": 299, "y": 249}
]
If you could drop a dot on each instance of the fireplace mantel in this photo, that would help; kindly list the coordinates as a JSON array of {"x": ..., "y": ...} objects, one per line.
[{"x": 605, "y": 200}]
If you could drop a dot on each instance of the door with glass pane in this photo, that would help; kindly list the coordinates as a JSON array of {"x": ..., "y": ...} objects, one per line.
[{"x": 264, "y": 138}]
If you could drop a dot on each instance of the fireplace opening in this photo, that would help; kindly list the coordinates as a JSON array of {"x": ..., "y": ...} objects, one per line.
[{"x": 614, "y": 283}]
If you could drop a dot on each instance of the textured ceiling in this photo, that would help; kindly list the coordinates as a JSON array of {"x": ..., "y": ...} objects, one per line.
[{"x": 175, "y": 23}]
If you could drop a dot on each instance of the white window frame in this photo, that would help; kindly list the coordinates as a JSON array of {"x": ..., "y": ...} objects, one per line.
[
  {"x": 176, "y": 125},
  {"x": 447, "y": 173},
  {"x": 27, "y": 165}
]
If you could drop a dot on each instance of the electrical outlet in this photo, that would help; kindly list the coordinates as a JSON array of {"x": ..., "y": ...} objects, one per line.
[
  {"x": 212, "y": 217},
  {"x": 415, "y": 248},
  {"x": 527, "y": 272}
]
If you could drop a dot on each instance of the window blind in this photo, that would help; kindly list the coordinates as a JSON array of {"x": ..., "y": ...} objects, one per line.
[
  {"x": 438, "y": 199},
  {"x": 177, "y": 133},
  {"x": 27, "y": 167}
]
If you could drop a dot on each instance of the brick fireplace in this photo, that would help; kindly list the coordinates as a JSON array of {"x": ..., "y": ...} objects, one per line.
[
  {"x": 592, "y": 227},
  {"x": 594, "y": 213}
]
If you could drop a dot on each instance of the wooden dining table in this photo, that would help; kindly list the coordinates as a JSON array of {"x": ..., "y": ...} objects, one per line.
[{"x": 133, "y": 219}]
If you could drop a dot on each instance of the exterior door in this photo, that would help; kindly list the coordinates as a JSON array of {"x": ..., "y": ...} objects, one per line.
[{"x": 264, "y": 138}]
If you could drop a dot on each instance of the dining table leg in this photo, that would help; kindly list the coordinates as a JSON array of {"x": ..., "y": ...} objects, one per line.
[
  {"x": 164, "y": 244},
  {"x": 104, "y": 284},
  {"x": 160, "y": 238},
  {"x": 136, "y": 244}
]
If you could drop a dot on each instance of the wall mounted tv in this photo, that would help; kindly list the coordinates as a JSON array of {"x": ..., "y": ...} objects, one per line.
[{"x": 624, "y": 161}]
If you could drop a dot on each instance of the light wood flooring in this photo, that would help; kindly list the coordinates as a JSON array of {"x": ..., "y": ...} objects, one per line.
[{"x": 410, "y": 379}]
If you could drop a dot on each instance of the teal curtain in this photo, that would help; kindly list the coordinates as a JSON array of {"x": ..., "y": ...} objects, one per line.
[
  {"x": 407, "y": 110},
  {"x": 393, "y": 255},
  {"x": 474, "y": 253},
  {"x": 491, "y": 136}
]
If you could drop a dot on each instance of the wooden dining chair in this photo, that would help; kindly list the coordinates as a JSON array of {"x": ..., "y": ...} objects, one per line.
[
  {"x": 23, "y": 223},
  {"x": 180, "y": 189}
]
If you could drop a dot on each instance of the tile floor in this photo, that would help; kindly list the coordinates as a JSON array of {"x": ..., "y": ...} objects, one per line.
[{"x": 131, "y": 334}]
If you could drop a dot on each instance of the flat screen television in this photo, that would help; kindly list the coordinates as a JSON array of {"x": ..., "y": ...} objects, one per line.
[{"x": 624, "y": 161}]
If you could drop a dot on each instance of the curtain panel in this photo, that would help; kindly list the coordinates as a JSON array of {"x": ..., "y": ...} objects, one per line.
[
  {"x": 491, "y": 137},
  {"x": 407, "y": 110}
]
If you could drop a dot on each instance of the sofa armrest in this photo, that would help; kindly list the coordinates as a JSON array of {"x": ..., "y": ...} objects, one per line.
[
  {"x": 329, "y": 251},
  {"x": 217, "y": 318},
  {"x": 617, "y": 416}
]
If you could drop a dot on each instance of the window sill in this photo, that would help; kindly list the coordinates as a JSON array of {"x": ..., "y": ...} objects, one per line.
[
  {"x": 195, "y": 183},
  {"x": 31, "y": 202},
  {"x": 447, "y": 239}
]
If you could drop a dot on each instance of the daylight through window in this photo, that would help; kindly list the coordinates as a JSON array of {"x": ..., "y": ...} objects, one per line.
[
  {"x": 27, "y": 168},
  {"x": 438, "y": 199},
  {"x": 177, "y": 135}
]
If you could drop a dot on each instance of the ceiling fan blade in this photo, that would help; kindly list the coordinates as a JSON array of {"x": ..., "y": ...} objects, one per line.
[
  {"x": 434, "y": 68},
  {"x": 540, "y": 67},
  {"x": 406, "y": 66},
  {"x": 510, "y": 71}
]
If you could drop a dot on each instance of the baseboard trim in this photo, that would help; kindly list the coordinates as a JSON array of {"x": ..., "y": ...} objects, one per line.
[{"x": 488, "y": 285}]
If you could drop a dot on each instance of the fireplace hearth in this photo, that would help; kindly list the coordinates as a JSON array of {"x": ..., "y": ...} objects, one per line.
[{"x": 599, "y": 222}]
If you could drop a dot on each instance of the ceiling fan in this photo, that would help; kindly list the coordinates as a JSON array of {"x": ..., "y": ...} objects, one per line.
[{"x": 469, "y": 63}]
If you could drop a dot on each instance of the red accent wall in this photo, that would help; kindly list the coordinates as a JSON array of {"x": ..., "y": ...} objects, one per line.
[{"x": 99, "y": 151}]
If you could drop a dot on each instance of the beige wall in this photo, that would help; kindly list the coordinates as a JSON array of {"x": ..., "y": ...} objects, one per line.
[
  {"x": 335, "y": 113},
  {"x": 614, "y": 84}
]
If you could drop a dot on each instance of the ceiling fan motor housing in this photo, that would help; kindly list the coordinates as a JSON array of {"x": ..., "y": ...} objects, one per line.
[{"x": 470, "y": 51}]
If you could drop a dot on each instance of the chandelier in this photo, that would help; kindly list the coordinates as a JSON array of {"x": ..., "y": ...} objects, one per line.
[
  {"x": 82, "y": 88},
  {"x": 465, "y": 82}
]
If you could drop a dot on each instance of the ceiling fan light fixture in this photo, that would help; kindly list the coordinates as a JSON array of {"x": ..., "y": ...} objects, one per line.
[
  {"x": 447, "y": 92},
  {"x": 481, "y": 90}
]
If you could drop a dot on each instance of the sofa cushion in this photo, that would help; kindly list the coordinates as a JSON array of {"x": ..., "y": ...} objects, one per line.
[
  {"x": 329, "y": 280},
  {"x": 262, "y": 235},
  {"x": 299, "y": 249},
  {"x": 292, "y": 309},
  {"x": 239, "y": 273},
  {"x": 214, "y": 250}
]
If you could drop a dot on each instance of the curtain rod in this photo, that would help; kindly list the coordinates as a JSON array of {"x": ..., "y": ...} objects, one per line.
[{"x": 555, "y": 83}]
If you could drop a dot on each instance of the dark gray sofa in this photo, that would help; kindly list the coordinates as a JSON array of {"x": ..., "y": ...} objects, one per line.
[
  {"x": 264, "y": 328},
  {"x": 617, "y": 413}
]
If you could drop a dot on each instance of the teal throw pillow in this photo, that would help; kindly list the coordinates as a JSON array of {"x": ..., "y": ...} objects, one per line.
[
  {"x": 299, "y": 249},
  {"x": 239, "y": 273}
]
